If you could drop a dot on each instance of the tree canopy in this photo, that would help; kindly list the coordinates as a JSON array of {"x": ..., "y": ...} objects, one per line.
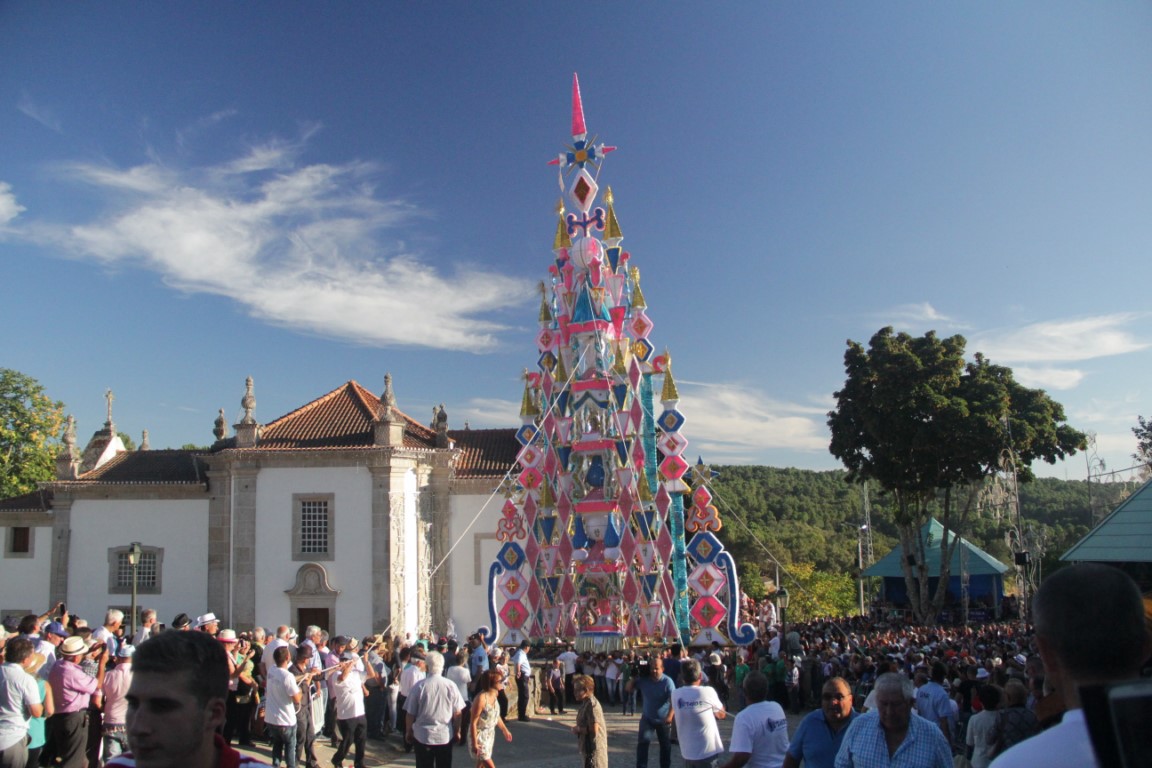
[
  {"x": 926, "y": 425},
  {"x": 30, "y": 423},
  {"x": 1143, "y": 442}
]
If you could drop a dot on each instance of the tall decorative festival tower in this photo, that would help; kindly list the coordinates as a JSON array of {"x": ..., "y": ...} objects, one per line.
[{"x": 608, "y": 535}]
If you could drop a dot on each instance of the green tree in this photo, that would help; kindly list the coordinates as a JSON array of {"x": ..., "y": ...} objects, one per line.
[
  {"x": 30, "y": 422},
  {"x": 1143, "y": 442},
  {"x": 929, "y": 428},
  {"x": 814, "y": 594}
]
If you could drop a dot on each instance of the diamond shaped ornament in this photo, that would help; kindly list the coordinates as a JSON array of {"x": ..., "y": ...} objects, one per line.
[
  {"x": 708, "y": 611},
  {"x": 513, "y": 585},
  {"x": 707, "y": 579},
  {"x": 673, "y": 467},
  {"x": 672, "y": 443},
  {"x": 514, "y": 614},
  {"x": 583, "y": 190}
]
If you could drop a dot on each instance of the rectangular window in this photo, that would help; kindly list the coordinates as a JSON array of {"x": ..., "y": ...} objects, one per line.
[
  {"x": 149, "y": 571},
  {"x": 313, "y": 532},
  {"x": 145, "y": 571},
  {"x": 18, "y": 540},
  {"x": 313, "y": 527},
  {"x": 21, "y": 540}
]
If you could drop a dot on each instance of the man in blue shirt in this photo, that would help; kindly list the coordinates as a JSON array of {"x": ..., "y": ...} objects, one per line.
[
  {"x": 891, "y": 737},
  {"x": 656, "y": 688},
  {"x": 523, "y": 672},
  {"x": 821, "y": 733}
]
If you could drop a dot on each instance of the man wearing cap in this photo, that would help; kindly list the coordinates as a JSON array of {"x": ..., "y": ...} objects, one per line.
[
  {"x": 72, "y": 692},
  {"x": 523, "y": 681},
  {"x": 52, "y": 635},
  {"x": 181, "y": 623},
  {"x": 116, "y": 683},
  {"x": 409, "y": 677},
  {"x": 208, "y": 623},
  {"x": 19, "y": 700}
]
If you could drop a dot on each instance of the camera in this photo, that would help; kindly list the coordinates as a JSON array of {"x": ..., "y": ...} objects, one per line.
[{"x": 1117, "y": 716}]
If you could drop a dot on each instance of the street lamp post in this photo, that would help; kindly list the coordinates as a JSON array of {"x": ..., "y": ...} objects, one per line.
[
  {"x": 860, "y": 564},
  {"x": 782, "y": 604},
  {"x": 134, "y": 561}
]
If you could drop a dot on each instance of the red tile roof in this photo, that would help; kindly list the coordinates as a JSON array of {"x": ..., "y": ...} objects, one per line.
[
  {"x": 36, "y": 501},
  {"x": 152, "y": 467},
  {"x": 485, "y": 452},
  {"x": 343, "y": 418}
]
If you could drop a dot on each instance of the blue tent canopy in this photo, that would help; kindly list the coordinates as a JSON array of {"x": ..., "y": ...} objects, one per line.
[{"x": 985, "y": 573}]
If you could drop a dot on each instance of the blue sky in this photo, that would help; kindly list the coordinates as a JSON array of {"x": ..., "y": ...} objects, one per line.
[{"x": 192, "y": 193}]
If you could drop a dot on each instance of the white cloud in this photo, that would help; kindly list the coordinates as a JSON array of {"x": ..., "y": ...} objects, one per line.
[
  {"x": 308, "y": 247},
  {"x": 724, "y": 423},
  {"x": 40, "y": 113},
  {"x": 734, "y": 423},
  {"x": 1084, "y": 338},
  {"x": 9, "y": 208},
  {"x": 486, "y": 413},
  {"x": 915, "y": 314},
  {"x": 186, "y": 135},
  {"x": 1048, "y": 377}
]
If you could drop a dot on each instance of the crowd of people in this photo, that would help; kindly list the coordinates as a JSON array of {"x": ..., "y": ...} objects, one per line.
[{"x": 880, "y": 692}]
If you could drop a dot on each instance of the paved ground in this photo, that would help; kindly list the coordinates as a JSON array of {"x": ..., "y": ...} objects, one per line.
[{"x": 544, "y": 742}]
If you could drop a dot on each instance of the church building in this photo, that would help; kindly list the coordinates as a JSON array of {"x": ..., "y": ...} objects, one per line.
[{"x": 345, "y": 513}]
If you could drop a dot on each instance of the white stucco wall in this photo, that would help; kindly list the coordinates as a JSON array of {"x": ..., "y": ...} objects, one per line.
[
  {"x": 476, "y": 548},
  {"x": 350, "y": 571},
  {"x": 25, "y": 581},
  {"x": 180, "y": 527}
]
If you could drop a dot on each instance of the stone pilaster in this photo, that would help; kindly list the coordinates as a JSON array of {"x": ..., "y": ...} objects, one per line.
[
  {"x": 439, "y": 487},
  {"x": 387, "y": 548},
  {"x": 244, "y": 564},
  {"x": 220, "y": 544},
  {"x": 61, "y": 546}
]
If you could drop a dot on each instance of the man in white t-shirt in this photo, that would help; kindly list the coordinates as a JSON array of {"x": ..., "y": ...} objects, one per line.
[
  {"x": 568, "y": 659},
  {"x": 280, "y": 641},
  {"x": 760, "y": 730},
  {"x": 459, "y": 674},
  {"x": 281, "y": 697},
  {"x": 696, "y": 708},
  {"x": 350, "y": 717},
  {"x": 19, "y": 700}
]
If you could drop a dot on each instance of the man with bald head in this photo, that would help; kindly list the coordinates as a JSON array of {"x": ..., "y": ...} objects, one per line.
[{"x": 821, "y": 733}]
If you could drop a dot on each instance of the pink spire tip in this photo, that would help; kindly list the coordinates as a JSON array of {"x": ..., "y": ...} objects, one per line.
[{"x": 578, "y": 129}]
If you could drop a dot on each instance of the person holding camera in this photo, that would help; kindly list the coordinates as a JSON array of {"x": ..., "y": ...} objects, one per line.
[{"x": 72, "y": 692}]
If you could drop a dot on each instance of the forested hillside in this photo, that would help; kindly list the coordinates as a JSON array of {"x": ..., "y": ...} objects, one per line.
[{"x": 810, "y": 520}]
